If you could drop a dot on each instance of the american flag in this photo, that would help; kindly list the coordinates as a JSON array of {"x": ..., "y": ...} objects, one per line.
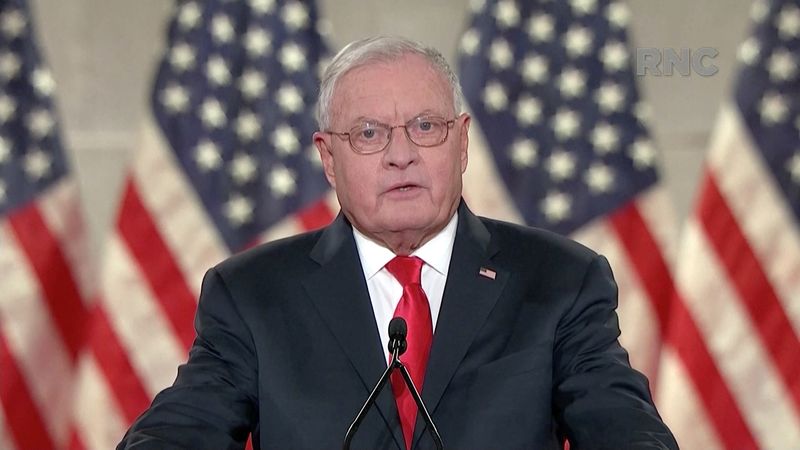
[
  {"x": 738, "y": 267},
  {"x": 560, "y": 141},
  {"x": 227, "y": 163},
  {"x": 44, "y": 264}
]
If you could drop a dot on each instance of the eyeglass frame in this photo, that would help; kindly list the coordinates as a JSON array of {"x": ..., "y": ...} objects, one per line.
[{"x": 347, "y": 134}]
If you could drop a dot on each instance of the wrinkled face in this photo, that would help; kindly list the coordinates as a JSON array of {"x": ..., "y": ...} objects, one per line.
[{"x": 405, "y": 190}]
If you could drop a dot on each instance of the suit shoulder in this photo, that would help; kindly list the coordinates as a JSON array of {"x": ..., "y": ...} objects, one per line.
[
  {"x": 286, "y": 253},
  {"x": 526, "y": 240}
]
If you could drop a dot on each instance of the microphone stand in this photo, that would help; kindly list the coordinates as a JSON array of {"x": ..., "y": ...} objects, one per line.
[{"x": 395, "y": 346}]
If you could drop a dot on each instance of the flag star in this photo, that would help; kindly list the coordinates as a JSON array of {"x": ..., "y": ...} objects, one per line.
[
  {"x": 524, "y": 153},
  {"x": 40, "y": 123},
  {"x": 556, "y": 206},
  {"x": 773, "y": 108},
  {"x": 578, "y": 41},
  {"x": 793, "y": 165},
  {"x": 7, "y": 108},
  {"x": 541, "y": 27},
  {"x": 175, "y": 98},
  {"x": 618, "y": 14},
  {"x": 295, "y": 15},
  {"x": 566, "y": 124},
  {"x": 281, "y": 182},
  {"x": 495, "y": 97},
  {"x": 583, "y": 7},
  {"x": 43, "y": 82},
  {"x": 217, "y": 71},
  {"x": 207, "y": 156},
  {"x": 610, "y": 97},
  {"x": 781, "y": 65},
  {"x": 534, "y": 69},
  {"x": 257, "y": 42},
  {"x": 212, "y": 114},
  {"x": 222, "y": 29},
  {"x": 292, "y": 57},
  {"x": 470, "y": 42},
  {"x": 284, "y": 138},
  {"x": 182, "y": 57},
  {"x": 239, "y": 210},
  {"x": 248, "y": 127},
  {"x": 506, "y": 13},
  {"x": 243, "y": 168},
  {"x": 571, "y": 83},
  {"x": 749, "y": 51},
  {"x": 37, "y": 164},
  {"x": 759, "y": 11},
  {"x": 643, "y": 154},
  {"x": 614, "y": 56},
  {"x": 789, "y": 22},
  {"x": 12, "y": 23},
  {"x": 500, "y": 54},
  {"x": 9, "y": 65},
  {"x": 560, "y": 165},
  {"x": 605, "y": 138},
  {"x": 529, "y": 110},
  {"x": 189, "y": 15},
  {"x": 261, "y": 6},
  {"x": 476, "y": 6},
  {"x": 5, "y": 150},
  {"x": 642, "y": 112},
  {"x": 290, "y": 99},
  {"x": 252, "y": 84},
  {"x": 599, "y": 178}
]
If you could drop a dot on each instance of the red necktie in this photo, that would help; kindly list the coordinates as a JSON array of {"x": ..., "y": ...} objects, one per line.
[{"x": 413, "y": 307}]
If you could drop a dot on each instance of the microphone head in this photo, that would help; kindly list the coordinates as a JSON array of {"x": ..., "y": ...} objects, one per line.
[
  {"x": 397, "y": 335},
  {"x": 398, "y": 328}
]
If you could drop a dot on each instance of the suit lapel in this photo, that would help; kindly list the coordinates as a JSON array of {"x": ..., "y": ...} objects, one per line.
[
  {"x": 339, "y": 292},
  {"x": 468, "y": 299}
]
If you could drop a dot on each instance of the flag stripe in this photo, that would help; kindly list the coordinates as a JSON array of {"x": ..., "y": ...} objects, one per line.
[
  {"x": 22, "y": 415},
  {"x": 55, "y": 278},
  {"x": 98, "y": 423},
  {"x": 682, "y": 409},
  {"x": 155, "y": 261},
  {"x": 112, "y": 360},
  {"x": 316, "y": 215},
  {"x": 751, "y": 283},
  {"x": 687, "y": 340}
]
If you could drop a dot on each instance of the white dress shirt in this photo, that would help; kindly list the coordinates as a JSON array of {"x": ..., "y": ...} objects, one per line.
[{"x": 385, "y": 291}]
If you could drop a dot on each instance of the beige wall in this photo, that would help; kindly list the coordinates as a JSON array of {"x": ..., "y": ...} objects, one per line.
[{"x": 103, "y": 55}]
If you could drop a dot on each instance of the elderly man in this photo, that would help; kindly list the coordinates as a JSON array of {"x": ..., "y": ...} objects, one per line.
[{"x": 512, "y": 331}]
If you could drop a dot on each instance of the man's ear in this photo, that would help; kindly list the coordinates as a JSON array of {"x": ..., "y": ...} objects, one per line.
[
  {"x": 464, "y": 141},
  {"x": 323, "y": 143}
]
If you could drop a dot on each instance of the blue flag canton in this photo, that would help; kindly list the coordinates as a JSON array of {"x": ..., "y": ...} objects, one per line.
[
  {"x": 768, "y": 92},
  {"x": 552, "y": 86},
  {"x": 31, "y": 157},
  {"x": 234, "y": 96}
]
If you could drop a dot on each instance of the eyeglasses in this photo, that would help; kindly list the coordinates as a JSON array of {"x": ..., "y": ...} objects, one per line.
[{"x": 372, "y": 137}]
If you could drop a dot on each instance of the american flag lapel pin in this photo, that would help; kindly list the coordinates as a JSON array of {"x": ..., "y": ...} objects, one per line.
[{"x": 488, "y": 273}]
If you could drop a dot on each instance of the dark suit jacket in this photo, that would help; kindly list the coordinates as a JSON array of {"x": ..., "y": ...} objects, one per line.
[{"x": 287, "y": 348}]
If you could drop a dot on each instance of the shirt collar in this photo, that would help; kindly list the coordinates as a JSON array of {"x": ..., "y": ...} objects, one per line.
[{"x": 435, "y": 253}]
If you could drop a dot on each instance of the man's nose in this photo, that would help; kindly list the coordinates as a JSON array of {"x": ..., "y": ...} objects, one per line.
[{"x": 400, "y": 152}]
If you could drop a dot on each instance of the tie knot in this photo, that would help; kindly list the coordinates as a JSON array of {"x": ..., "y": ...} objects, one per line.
[{"x": 406, "y": 269}]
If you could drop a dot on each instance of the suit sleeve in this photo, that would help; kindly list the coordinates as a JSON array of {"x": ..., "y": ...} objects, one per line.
[
  {"x": 600, "y": 401},
  {"x": 211, "y": 405}
]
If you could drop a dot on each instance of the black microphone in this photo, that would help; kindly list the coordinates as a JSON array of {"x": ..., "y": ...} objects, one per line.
[
  {"x": 397, "y": 335},
  {"x": 397, "y": 346}
]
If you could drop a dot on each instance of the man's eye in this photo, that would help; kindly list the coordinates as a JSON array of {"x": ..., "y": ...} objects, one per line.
[
  {"x": 425, "y": 125},
  {"x": 368, "y": 133}
]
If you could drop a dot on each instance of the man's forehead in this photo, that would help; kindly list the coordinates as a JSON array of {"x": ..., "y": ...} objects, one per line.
[{"x": 410, "y": 77}]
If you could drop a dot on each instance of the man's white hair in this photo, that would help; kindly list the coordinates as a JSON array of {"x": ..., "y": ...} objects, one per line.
[{"x": 379, "y": 49}]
